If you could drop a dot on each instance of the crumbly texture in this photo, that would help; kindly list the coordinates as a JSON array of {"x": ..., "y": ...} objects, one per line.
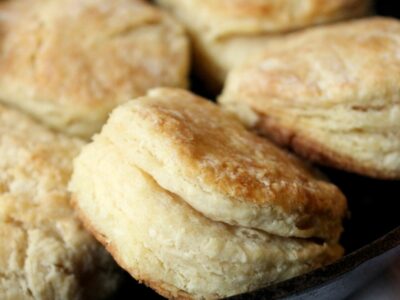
[
  {"x": 165, "y": 243},
  {"x": 226, "y": 32},
  {"x": 69, "y": 62},
  {"x": 45, "y": 253},
  {"x": 330, "y": 93}
]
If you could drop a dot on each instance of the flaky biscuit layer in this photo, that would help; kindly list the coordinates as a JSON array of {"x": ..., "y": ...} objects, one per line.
[
  {"x": 195, "y": 206},
  {"x": 331, "y": 93}
]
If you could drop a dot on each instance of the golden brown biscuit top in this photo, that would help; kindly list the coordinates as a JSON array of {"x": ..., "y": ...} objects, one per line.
[
  {"x": 195, "y": 139},
  {"x": 356, "y": 63},
  {"x": 224, "y": 18},
  {"x": 331, "y": 93},
  {"x": 87, "y": 55}
]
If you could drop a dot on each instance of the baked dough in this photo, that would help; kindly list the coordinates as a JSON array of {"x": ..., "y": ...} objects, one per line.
[
  {"x": 195, "y": 206},
  {"x": 45, "y": 253},
  {"x": 69, "y": 62},
  {"x": 226, "y": 32},
  {"x": 330, "y": 93},
  {"x": 193, "y": 149}
]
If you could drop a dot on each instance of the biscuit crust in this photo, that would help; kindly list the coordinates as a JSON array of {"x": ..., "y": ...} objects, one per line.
[
  {"x": 45, "y": 253},
  {"x": 206, "y": 156},
  {"x": 226, "y": 32},
  {"x": 330, "y": 93},
  {"x": 68, "y": 63},
  {"x": 165, "y": 243}
]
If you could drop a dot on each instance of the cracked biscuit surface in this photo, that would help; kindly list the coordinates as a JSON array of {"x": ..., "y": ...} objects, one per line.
[
  {"x": 330, "y": 93},
  {"x": 69, "y": 62},
  {"x": 45, "y": 253},
  {"x": 195, "y": 206},
  {"x": 226, "y": 32}
]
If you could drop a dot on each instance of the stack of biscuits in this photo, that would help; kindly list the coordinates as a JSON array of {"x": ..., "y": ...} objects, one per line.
[{"x": 107, "y": 159}]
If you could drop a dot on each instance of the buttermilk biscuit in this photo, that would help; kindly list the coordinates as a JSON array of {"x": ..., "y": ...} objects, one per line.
[
  {"x": 331, "y": 93},
  {"x": 195, "y": 206},
  {"x": 69, "y": 62},
  {"x": 226, "y": 32},
  {"x": 195, "y": 150},
  {"x": 45, "y": 253}
]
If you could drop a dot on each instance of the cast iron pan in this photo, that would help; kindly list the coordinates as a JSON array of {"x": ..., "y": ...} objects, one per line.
[{"x": 371, "y": 237}]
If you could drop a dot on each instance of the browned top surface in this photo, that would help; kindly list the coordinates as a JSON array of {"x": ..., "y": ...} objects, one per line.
[{"x": 207, "y": 144}]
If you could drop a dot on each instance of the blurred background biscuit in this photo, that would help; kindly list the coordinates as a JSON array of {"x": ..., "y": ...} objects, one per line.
[
  {"x": 225, "y": 33},
  {"x": 45, "y": 253},
  {"x": 330, "y": 93},
  {"x": 69, "y": 62}
]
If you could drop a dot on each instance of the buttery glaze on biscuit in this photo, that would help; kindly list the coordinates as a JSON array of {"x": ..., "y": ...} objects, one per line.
[
  {"x": 69, "y": 62},
  {"x": 45, "y": 253},
  {"x": 331, "y": 93},
  {"x": 195, "y": 206},
  {"x": 226, "y": 32}
]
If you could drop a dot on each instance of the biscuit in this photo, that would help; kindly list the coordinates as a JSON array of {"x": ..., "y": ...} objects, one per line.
[
  {"x": 45, "y": 253},
  {"x": 195, "y": 206},
  {"x": 69, "y": 62},
  {"x": 226, "y": 32},
  {"x": 330, "y": 93},
  {"x": 195, "y": 150}
]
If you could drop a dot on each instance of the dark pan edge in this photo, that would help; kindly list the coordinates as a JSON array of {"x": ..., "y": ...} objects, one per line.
[{"x": 319, "y": 278}]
